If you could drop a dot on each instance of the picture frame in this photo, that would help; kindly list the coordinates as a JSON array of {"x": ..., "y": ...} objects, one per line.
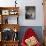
[
  {"x": 5, "y": 12},
  {"x": 30, "y": 12}
]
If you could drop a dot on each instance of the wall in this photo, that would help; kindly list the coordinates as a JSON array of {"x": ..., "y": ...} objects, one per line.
[
  {"x": 39, "y": 13},
  {"x": 22, "y": 21}
]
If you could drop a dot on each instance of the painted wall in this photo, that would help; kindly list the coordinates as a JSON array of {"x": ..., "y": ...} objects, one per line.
[{"x": 22, "y": 3}]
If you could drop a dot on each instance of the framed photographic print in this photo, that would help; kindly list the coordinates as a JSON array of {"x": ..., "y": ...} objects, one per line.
[
  {"x": 5, "y": 12},
  {"x": 30, "y": 12}
]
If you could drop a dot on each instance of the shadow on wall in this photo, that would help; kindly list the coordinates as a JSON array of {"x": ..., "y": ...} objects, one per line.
[{"x": 37, "y": 29}]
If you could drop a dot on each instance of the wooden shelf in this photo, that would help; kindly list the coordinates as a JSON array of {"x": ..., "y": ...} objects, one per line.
[
  {"x": 4, "y": 13},
  {"x": 11, "y": 26},
  {"x": 9, "y": 43},
  {"x": 5, "y": 8}
]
